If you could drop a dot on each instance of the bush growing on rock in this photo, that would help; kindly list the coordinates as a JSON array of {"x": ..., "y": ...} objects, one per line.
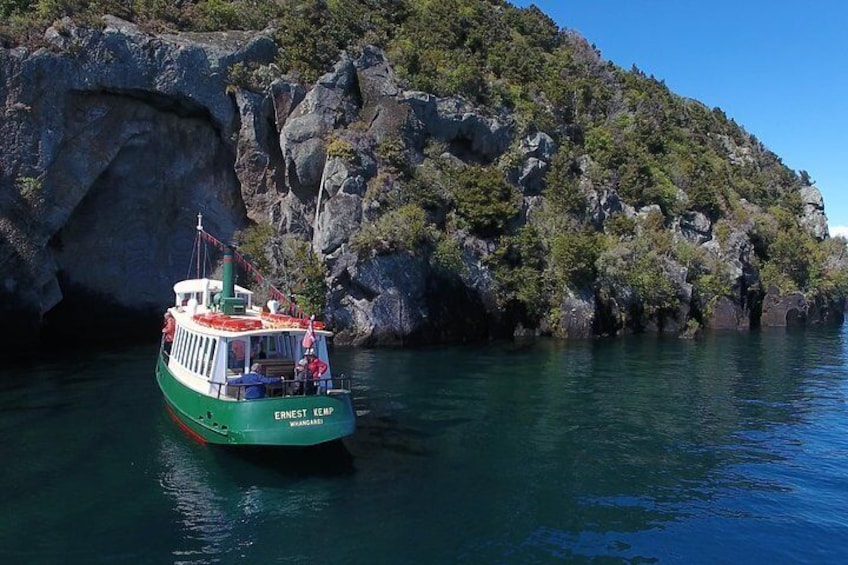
[
  {"x": 484, "y": 200},
  {"x": 404, "y": 229}
]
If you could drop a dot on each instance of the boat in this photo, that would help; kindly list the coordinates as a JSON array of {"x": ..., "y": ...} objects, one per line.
[{"x": 218, "y": 336}]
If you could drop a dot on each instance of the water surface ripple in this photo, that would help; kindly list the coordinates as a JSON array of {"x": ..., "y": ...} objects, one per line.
[{"x": 728, "y": 449}]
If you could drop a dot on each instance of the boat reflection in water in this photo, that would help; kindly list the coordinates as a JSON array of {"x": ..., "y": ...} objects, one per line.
[
  {"x": 229, "y": 500},
  {"x": 205, "y": 522}
]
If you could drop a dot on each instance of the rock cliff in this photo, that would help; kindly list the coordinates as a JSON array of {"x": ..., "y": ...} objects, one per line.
[{"x": 113, "y": 139}]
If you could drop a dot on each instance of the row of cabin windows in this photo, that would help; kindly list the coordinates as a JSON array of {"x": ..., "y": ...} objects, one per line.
[
  {"x": 194, "y": 352},
  {"x": 197, "y": 352}
]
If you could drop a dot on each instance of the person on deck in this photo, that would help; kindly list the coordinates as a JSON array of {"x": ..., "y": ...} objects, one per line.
[
  {"x": 317, "y": 368},
  {"x": 301, "y": 377},
  {"x": 256, "y": 349},
  {"x": 168, "y": 331},
  {"x": 256, "y": 382},
  {"x": 236, "y": 355}
]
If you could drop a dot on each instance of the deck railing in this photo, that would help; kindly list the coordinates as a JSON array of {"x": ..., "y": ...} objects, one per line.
[
  {"x": 288, "y": 387},
  {"x": 291, "y": 388}
]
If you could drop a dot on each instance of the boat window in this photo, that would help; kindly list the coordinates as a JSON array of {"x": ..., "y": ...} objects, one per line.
[
  {"x": 185, "y": 349},
  {"x": 236, "y": 354},
  {"x": 190, "y": 353},
  {"x": 210, "y": 359},
  {"x": 258, "y": 347},
  {"x": 245, "y": 297},
  {"x": 197, "y": 357},
  {"x": 195, "y": 353},
  {"x": 201, "y": 355},
  {"x": 188, "y": 348},
  {"x": 177, "y": 348},
  {"x": 185, "y": 354}
]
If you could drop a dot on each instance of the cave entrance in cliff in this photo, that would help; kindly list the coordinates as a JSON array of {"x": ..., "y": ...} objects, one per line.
[{"x": 142, "y": 173}]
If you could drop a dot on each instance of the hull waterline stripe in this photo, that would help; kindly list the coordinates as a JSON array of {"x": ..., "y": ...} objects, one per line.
[{"x": 196, "y": 436}]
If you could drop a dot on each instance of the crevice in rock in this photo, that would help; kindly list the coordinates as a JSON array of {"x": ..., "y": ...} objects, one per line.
[
  {"x": 178, "y": 105},
  {"x": 463, "y": 149}
]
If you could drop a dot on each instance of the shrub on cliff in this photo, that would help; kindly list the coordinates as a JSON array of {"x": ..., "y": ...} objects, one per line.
[
  {"x": 485, "y": 202},
  {"x": 404, "y": 229},
  {"x": 518, "y": 266}
]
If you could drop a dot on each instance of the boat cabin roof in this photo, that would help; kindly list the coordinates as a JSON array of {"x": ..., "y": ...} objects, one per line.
[{"x": 203, "y": 285}]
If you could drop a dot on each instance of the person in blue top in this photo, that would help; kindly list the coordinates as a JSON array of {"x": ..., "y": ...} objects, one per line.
[{"x": 256, "y": 381}]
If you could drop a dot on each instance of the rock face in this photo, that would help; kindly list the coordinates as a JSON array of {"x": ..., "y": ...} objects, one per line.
[
  {"x": 578, "y": 316},
  {"x": 470, "y": 134},
  {"x": 784, "y": 310},
  {"x": 119, "y": 146},
  {"x": 813, "y": 217},
  {"x": 113, "y": 139}
]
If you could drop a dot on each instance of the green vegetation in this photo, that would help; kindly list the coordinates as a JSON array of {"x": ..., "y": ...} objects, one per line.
[
  {"x": 447, "y": 257},
  {"x": 404, "y": 229},
  {"x": 29, "y": 188},
  {"x": 572, "y": 259},
  {"x": 253, "y": 242},
  {"x": 618, "y": 132},
  {"x": 518, "y": 264},
  {"x": 287, "y": 263},
  {"x": 485, "y": 202},
  {"x": 341, "y": 149},
  {"x": 308, "y": 274}
]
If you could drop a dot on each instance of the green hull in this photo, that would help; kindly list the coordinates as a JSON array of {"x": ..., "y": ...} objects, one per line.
[{"x": 277, "y": 421}]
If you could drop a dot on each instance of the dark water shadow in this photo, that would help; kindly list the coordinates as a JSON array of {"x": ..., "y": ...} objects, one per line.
[{"x": 330, "y": 460}]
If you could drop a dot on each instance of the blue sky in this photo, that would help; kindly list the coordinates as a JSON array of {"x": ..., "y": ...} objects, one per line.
[{"x": 779, "y": 68}]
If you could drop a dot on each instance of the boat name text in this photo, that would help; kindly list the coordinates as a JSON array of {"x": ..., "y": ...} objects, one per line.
[{"x": 303, "y": 413}]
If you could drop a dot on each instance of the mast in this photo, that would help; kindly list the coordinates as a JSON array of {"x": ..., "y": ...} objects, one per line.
[{"x": 199, "y": 237}]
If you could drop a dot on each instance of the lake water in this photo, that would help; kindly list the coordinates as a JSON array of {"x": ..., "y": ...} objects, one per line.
[{"x": 728, "y": 449}]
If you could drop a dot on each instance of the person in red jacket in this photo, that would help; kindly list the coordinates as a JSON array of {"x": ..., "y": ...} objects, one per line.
[
  {"x": 168, "y": 331},
  {"x": 316, "y": 368}
]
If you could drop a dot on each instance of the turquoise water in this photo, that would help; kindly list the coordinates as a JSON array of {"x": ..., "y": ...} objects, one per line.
[{"x": 730, "y": 449}]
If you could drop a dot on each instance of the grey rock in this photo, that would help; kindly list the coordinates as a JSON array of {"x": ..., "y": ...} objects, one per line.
[
  {"x": 601, "y": 204},
  {"x": 286, "y": 96},
  {"x": 782, "y": 310},
  {"x": 380, "y": 300},
  {"x": 725, "y": 314},
  {"x": 257, "y": 164},
  {"x": 454, "y": 120},
  {"x": 340, "y": 217},
  {"x": 694, "y": 227},
  {"x": 376, "y": 77},
  {"x": 302, "y": 137},
  {"x": 126, "y": 135},
  {"x": 577, "y": 318},
  {"x": 538, "y": 145},
  {"x": 531, "y": 175},
  {"x": 112, "y": 139},
  {"x": 813, "y": 218}
]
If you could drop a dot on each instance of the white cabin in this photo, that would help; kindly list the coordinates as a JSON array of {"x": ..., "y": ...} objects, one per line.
[{"x": 204, "y": 290}]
